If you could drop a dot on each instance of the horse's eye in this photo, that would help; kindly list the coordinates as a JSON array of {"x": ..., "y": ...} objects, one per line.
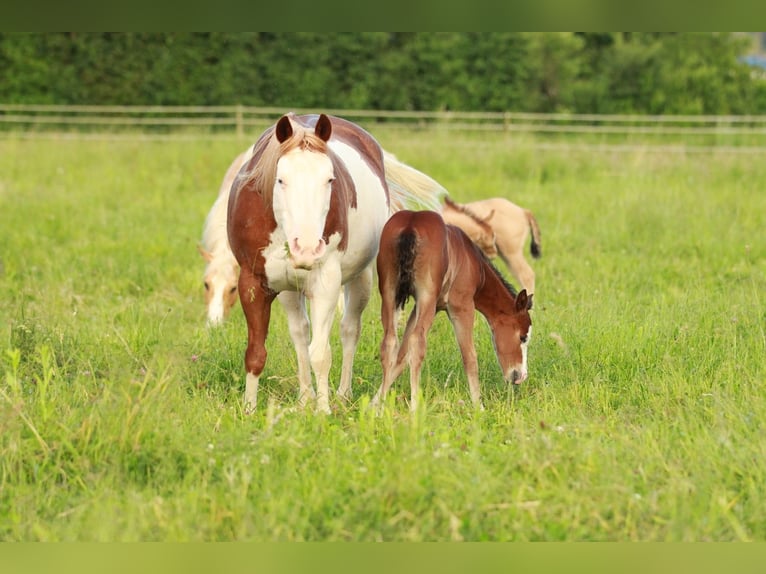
[
  {"x": 523, "y": 338},
  {"x": 207, "y": 286},
  {"x": 280, "y": 181},
  {"x": 233, "y": 290},
  {"x": 330, "y": 180}
]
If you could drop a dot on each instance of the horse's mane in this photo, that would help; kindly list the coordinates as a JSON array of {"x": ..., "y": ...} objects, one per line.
[
  {"x": 468, "y": 213},
  {"x": 483, "y": 257},
  {"x": 262, "y": 170}
]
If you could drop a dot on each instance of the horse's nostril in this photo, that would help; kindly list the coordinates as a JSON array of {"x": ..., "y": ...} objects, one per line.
[{"x": 516, "y": 376}]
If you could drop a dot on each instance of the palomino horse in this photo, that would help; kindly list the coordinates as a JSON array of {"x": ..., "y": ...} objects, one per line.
[
  {"x": 443, "y": 270},
  {"x": 408, "y": 188},
  {"x": 221, "y": 268},
  {"x": 304, "y": 220},
  {"x": 499, "y": 227}
]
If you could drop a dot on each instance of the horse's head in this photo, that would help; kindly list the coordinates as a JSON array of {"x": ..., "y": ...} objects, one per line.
[
  {"x": 303, "y": 189},
  {"x": 221, "y": 277},
  {"x": 510, "y": 334}
]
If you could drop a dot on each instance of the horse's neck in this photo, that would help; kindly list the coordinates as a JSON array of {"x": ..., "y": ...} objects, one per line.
[
  {"x": 463, "y": 221},
  {"x": 214, "y": 235},
  {"x": 492, "y": 294}
]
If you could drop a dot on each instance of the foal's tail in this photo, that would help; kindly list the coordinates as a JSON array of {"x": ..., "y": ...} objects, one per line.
[
  {"x": 535, "y": 248},
  {"x": 409, "y": 188},
  {"x": 405, "y": 251}
]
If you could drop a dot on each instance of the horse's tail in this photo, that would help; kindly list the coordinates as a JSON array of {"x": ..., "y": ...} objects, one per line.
[
  {"x": 409, "y": 188},
  {"x": 535, "y": 248},
  {"x": 405, "y": 251}
]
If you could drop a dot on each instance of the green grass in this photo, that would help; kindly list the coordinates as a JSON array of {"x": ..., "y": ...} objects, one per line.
[{"x": 642, "y": 419}]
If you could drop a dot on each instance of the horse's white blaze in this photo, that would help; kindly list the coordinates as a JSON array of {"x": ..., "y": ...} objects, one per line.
[
  {"x": 524, "y": 347},
  {"x": 301, "y": 202},
  {"x": 215, "y": 310}
]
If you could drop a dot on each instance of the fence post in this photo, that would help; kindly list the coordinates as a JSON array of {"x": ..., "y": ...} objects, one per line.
[
  {"x": 506, "y": 121},
  {"x": 240, "y": 128}
]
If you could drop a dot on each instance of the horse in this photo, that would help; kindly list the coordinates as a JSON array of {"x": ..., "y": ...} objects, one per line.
[
  {"x": 407, "y": 187},
  {"x": 221, "y": 267},
  {"x": 437, "y": 264},
  {"x": 499, "y": 227},
  {"x": 304, "y": 220}
]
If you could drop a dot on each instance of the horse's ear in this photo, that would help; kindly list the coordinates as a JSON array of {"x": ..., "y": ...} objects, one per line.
[
  {"x": 205, "y": 254},
  {"x": 323, "y": 129},
  {"x": 284, "y": 129},
  {"x": 523, "y": 303},
  {"x": 491, "y": 213}
]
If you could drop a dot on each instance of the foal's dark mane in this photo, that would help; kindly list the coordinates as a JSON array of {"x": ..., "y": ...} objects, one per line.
[{"x": 511, "y": 289}]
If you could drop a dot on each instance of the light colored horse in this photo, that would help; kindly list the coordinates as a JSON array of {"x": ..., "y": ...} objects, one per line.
[
  {"x": 221, "y": 268},
  {"x": 443, "y": 270},
  {"x": 407, "y": 187},
  {"x": 304, "y": 220},
  {"x": 499, "y": 227}
]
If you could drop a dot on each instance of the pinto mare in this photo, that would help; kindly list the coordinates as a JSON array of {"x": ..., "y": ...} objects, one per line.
[
  {"x": 304, "y": 219},
  {"x": 221, "y": 267},
  {"x": 499, "y": 227},
  {"x": 443, "y": 270},
  {"x": 408, "y": 188}
]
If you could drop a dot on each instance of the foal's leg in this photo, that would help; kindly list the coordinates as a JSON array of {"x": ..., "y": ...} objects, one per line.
[
  {"x": 298, "y": 323},
  {"x": 357, "y": 296},
  {"x": 511, "y": 251},
  {"x": 462, "y": 324},
  {"x": 389, "y": 346},
  {"x": 416, "y": 344},
  {"x": 256, "y": 304}
]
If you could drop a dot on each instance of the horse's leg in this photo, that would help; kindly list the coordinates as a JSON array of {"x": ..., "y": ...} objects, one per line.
[
  {"x": 389, "y": 346},
  {"x": 357, "y": 297},
  {"x": 256, "y": 304},
  {"x": 462, "y": 323},
  {"x": 322, "y": 310},
  {"x": 417, "y": 336},
  {"x": 520, "y": 269},
  {"x": 298, "y": 323}
]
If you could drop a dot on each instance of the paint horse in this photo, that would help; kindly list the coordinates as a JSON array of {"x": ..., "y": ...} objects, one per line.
[
  {"x": 443, "y": 270},
  {"x": 407, "y": 187},
  {"x": 499, "y": 227},
  {"x": 304, "y": 219},
  {"x": 221, "y": 267}
]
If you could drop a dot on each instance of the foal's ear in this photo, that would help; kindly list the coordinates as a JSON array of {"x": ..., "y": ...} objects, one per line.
[
  {"x": 205, "y": 254},
  {"x": 284, "y": 129},
  {"x": 323, "y": 129},
  {"x": 523, "y": 302}
]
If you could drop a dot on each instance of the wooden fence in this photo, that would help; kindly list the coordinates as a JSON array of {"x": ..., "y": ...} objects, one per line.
[{"x": 745, "y": 132}]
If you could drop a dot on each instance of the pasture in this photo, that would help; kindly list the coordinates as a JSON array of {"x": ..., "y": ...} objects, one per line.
[{"x": 121, "y": 415}]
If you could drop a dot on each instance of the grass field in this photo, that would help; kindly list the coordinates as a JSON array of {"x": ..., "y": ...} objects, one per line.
[{"x": 642, "y": 419}]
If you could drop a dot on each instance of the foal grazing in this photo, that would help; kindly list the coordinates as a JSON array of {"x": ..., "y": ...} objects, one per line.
[
  {"x": 499, "y": 227},
  {"x": 221, "y": 268},
  {"x": 440, "y": 267}
]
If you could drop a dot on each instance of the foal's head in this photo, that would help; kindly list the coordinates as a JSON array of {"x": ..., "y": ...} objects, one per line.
[
  {"x": 221, "y": 277},
  {"x": 511, "y": 331}
]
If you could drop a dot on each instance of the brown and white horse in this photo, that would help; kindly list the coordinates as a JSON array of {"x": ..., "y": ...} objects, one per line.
[
  {"x": 443, "y": 270},
  {"x": 304, "y": 219},
  {"x": 499, "y": 227},
  {"x": 408, "y": 188}
]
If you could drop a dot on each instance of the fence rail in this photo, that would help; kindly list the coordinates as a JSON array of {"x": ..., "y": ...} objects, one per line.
[{"x": 240, "y": 120}]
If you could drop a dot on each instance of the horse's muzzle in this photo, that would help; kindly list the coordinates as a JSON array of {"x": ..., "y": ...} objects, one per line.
[
  {"x": 305, "y": 257},
  {"x": 518, "y": 376}
]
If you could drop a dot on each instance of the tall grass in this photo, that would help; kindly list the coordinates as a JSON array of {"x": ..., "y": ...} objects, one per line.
[{"x": 642, "y": 419}]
